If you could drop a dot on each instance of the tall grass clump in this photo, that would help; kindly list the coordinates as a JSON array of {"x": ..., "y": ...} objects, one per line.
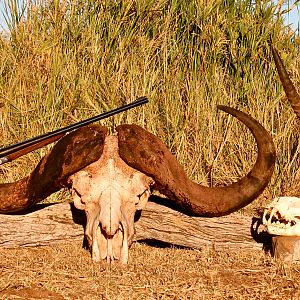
[{"x": 68, "y": 60}]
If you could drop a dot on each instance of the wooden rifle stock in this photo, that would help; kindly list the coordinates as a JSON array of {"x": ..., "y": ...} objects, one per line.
[
  {"x": 14, "y": 151},
  {"x": 14, "y": 155}
]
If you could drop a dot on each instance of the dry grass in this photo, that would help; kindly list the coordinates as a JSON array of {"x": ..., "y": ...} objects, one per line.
[
  {"x": 67, "y": 272},
  {"x": 74, "y": 59}
]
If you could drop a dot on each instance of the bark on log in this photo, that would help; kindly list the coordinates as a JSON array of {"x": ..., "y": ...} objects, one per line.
[{"x": 62, "y": 222}]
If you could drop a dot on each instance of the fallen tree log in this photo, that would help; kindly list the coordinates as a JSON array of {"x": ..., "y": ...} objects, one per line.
[{"x": 49, "y": 224}]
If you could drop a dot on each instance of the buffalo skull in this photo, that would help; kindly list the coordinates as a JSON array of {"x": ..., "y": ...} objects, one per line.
[
  {"x": 110, "y": 192},
  {"x": 282, "y": 215},
  {"x": 112, "y": 176}
]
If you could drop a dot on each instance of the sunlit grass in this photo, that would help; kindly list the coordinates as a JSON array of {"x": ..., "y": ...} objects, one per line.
[{"x": 69, "y": 60}]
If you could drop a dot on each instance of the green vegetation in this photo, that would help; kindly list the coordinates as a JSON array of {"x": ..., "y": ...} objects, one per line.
[{"x": 69, "y": 60}]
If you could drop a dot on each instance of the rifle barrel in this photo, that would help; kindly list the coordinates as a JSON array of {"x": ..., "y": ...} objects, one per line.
[{"x": 27, "y": 143}]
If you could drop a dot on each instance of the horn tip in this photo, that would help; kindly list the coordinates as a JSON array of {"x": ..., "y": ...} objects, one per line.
[
  {"x": 223, "y": 107},
  {"x": 219, "y": 106}
]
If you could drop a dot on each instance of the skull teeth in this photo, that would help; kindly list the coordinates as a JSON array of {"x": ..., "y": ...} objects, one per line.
[
  {"x": 281, "y": 217},
  {"x": 285, "y": 224}
]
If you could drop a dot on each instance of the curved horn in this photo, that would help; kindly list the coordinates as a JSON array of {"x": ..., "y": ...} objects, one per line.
[
  {"x": 146, "y": 153},
  {"x": 288, "y": 86},
  {"x": 71, "y": 153}
]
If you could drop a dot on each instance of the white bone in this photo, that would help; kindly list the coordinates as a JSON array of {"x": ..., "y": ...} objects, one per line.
[
  {"x": 110, "y": 192},
  {"x": 282, "y": 216}
]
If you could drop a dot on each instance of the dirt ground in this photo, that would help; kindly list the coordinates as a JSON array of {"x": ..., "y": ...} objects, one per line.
[{"x": 66, "y": 271}]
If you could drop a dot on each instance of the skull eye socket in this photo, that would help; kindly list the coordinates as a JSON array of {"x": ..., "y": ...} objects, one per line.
[
  {"x": 76, "y": 193},
  {"x": 78, "y": 199},
  {"x": 142, "y": 199},
  {"x": 139, "y": 196}
]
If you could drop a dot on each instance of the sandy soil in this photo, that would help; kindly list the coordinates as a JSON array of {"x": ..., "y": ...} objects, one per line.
[{"x": 66, "y": 271}]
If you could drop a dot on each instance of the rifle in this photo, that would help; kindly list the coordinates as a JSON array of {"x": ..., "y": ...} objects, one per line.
[{"x": 14, "y": 151}]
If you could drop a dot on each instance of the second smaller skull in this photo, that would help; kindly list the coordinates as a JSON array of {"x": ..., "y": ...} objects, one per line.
[{"x": 282, "y": 216}]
